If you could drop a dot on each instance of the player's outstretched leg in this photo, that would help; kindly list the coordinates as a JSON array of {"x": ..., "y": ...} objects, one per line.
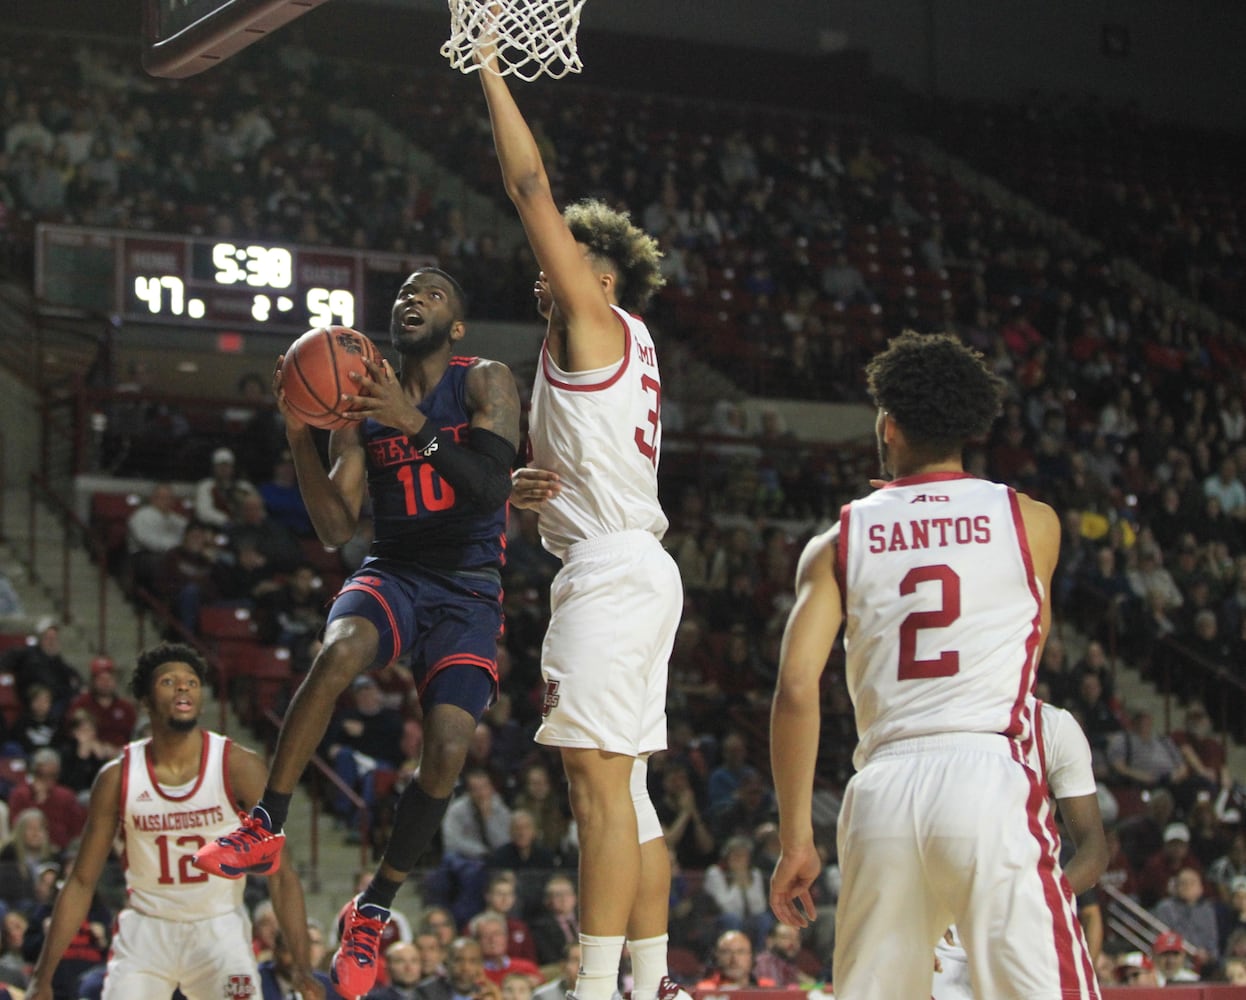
[{"x": 252, "y": 849}]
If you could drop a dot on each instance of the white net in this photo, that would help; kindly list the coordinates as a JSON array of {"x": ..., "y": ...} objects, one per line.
[{"x": 533, "y": 37}]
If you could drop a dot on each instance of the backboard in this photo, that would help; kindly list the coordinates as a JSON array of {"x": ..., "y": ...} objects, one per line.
[{"x": 185, "y": 37}]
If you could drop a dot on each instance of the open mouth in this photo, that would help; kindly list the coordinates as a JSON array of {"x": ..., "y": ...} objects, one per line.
[
  {"x": 183, "y": 705},
  {"x": 412, "y": 319}
]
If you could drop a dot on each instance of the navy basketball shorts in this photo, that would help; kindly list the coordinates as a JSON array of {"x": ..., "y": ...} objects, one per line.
[{"x": 440, "y": 619}]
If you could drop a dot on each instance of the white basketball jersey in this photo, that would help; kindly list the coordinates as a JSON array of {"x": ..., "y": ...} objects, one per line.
[
  {"x": 942, "y": 610},
  {"x": 163, "y": 828},
  {"x": 601, "y": 431},
  {"x": 1065, "y": 761}
]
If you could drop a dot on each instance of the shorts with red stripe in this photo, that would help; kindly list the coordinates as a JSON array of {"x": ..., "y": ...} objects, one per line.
[
  {"x": 953, "y": 829},
  {"x": 442, "y": 620}
]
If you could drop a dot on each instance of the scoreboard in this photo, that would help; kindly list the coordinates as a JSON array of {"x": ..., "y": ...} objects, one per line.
[{"x": 217, "y": 283}]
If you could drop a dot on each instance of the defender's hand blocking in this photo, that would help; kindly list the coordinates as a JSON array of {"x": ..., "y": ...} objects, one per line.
[
  {"x": 530, "y": 488},
  {"x": 791, "y": 883}
]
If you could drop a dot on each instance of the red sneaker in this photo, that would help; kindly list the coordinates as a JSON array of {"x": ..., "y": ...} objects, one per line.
[
  {"x": 252, "y": 849},
  {"x": 359, "y": 941}
]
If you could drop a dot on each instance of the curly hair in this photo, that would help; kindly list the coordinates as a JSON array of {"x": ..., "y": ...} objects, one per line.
[
  {"x": 939, "y": 391},
  {"x": 634, "y": 254},
  {"x": 158, "y": 656}
]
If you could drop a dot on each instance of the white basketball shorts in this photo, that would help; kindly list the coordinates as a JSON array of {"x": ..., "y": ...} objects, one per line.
[
  {"x": 615, "y": 605},
  {"x": 208, "y": 959}
]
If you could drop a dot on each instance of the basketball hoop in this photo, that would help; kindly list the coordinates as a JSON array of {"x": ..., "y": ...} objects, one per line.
[{"x": 533, "y": 37}]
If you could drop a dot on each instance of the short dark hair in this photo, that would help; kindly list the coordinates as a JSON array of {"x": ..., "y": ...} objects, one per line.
[
  {"x": 454, "y": 286},
  {"x": 938, "y": 390},
  {"x": 158, "y": 656}
]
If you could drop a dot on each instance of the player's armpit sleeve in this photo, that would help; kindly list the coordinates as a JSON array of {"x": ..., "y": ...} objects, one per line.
[{"x": 479, "y": 471}]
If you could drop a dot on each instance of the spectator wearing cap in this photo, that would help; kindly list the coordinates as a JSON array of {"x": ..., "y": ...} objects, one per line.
[
  {"x": 114, "y": 714},
  {"x": 40, "y": 662},
  {"x": 362, "y": 741},
  {"x": 42, "y": 790},
  {"x": 1191, "y": 914},
  {"x": 1168, "y": 955},
  {"x": 1162, "y": 866},
  {"x": 217, "y": 496},
  {"x": 1134, "y": 968}
]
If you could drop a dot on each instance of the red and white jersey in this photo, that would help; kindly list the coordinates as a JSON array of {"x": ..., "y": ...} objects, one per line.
[
  {"x": 942, "y": 610},
  {"x": 1065, "y": 759},
  {"x": 601, "y": 431},
  {"x": 164, "y": 826}
]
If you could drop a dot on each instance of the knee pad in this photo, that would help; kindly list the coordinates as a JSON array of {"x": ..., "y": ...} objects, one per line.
[{"x": 648, "y": 826}]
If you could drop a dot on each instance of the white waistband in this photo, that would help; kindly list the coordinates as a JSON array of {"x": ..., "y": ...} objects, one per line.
[
  {"x": 617, "y": 542},
  {"x": 935, "y": 742}
]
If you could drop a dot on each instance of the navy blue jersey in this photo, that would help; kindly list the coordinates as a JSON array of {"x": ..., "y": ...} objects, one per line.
[{"x": 416, "y": 516}]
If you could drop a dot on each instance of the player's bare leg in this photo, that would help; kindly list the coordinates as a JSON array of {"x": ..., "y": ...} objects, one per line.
[
  {"x": 255, "y": 847},
  {"x": 610, "y": 865}
]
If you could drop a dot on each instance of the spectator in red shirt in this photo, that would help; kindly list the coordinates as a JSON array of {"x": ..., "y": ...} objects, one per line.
[
  {"x": 778, "y": 962},
  {"x": 489, "y": 928},
  {"x": 114, "y": 715},
  {"x": 66, "y": 816},
  {"x": 733, "y": 966},
  {"x": 1202, "y": 750}
]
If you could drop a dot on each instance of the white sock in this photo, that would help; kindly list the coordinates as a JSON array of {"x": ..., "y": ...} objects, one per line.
[
  {"x": 599, "y": 967},
  {"x": 648, "y": 966}
]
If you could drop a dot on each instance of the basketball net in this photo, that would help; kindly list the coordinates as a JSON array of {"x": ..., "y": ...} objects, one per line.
[{"x": 533, "y": 37}]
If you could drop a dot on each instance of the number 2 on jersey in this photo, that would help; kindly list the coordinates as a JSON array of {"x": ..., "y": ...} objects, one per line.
[{"x": 947, "y": 662}]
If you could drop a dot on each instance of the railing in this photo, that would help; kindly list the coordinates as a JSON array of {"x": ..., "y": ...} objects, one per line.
[
  {"x": 1178, "y": 672},
  {"x": 74, "y": 533}
]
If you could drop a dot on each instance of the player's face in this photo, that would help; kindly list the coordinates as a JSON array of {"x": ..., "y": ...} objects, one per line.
[
  {"x": 425, "y": 314},
  {"x": 176, "y": 696}
]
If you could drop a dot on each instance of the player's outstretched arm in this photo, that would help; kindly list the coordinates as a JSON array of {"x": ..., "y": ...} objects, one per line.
[
  {"x": 247, "y": 776},
  {"x": 795, "y": 721},
  {"x": 74, "y": 900},
  {"x": 595, "y": 337},
  {"x": 334, "y": 497}
]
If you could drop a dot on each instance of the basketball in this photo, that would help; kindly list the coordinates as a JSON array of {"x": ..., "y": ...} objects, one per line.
[{"x": 315, "y": 373}]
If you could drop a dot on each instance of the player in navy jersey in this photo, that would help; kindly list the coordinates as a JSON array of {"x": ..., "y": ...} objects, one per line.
[{"x": 433, "y": 444}]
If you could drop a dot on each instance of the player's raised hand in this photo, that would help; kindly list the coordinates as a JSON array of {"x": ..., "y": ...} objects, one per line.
[
  {"x": 530, "y": 488},
  {"x": 293, "y": 423},
  {"x": 793, "y": 878}
]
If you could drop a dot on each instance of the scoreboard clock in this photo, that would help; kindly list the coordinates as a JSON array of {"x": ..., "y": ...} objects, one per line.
[
  {"x": 235, "y": 284},
  {"x": 185, "y": 37}
]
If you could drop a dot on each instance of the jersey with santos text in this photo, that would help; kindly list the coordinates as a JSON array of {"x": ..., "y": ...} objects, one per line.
[{"x": 942, "y": 610}]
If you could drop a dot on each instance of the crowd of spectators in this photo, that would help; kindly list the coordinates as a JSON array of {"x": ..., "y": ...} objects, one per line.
[{"x": 794, "y": 245}]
